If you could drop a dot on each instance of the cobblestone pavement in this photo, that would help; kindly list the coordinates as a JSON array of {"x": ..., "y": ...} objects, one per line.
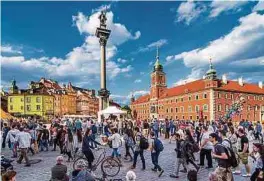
[{"x": 41, "y": 171}]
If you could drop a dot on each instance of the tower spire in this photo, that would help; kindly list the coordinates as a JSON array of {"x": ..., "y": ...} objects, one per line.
[{"x": 157, "y": 56}]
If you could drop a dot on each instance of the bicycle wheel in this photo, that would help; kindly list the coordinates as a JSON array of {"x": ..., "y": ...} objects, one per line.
[
  {"x": 110, "y": 167},
  {"x": 80, "y": 161}
]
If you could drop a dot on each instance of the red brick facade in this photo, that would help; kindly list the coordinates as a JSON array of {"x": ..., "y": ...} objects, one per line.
[{"x": 207, "y": 99}]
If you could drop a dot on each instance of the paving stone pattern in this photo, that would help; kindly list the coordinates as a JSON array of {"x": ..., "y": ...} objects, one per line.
[{"x": 41, "y": 171}]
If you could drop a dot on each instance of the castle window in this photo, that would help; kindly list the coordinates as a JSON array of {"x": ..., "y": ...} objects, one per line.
[
  {"x": 226, "y": 96},
  {"x": 189, "y": 108},
  {"x": 11, "y": 107},
  {"x": 176, "y": 109},
  {"x": 205, "y": 107},
  {"x": 205, "y": 96},
  {"x": 197, "y": 108},
  {"x": 190, "y": 98},
  {"x": 22, "y": 107},
  {"x": 219, "y": 107},
  {"x": 171, "y": 110},
  {"x": 197, "y": 117},
  {"x": 167, "y": 110},
  {"x": 205, "y": 117},
  {"x": 21, "y": 99},
  {"x": 226, "y": 107},
  {"x": 11, "y": 99},
  {"x": 190, "y": 117},
  {"x": 232, "y": 96},
  {"x": 182, "y": 117},
  {"x": 176, "y": 100},
  {"x": 219, "y": 95},
  {"x": 182, "y": 99}
]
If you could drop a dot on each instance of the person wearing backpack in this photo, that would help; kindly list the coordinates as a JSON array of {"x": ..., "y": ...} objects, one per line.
[
  {"x": 139, "y": 148},
  {"x": 223, "y": 171},
  {"x": 11, "y": 136},
  {"x": 156, "y": 148}
]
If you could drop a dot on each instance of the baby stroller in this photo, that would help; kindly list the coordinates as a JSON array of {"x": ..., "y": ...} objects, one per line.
[{"x": 6, "y": 164}]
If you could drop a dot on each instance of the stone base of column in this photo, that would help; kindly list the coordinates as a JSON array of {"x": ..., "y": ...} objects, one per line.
[{"x": 104, "y": 99}]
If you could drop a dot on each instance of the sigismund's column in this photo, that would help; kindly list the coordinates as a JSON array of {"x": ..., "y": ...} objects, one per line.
[{"x": 103, "y": 34}]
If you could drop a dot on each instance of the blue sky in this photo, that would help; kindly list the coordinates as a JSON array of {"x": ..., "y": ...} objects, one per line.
[{"x": 56, "y": 40}]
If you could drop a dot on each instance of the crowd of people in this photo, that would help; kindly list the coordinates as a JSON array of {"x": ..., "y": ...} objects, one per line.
[{"x": 222, "y": 141}]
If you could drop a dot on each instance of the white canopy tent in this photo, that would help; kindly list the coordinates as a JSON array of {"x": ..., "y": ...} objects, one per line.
[{"x": 111, "y": 110}]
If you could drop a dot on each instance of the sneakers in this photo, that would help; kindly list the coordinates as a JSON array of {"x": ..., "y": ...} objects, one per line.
[
  {"x": 246, "y": 175},
  {"x": 161, "y": 172},
  {"x": 154, "y": 170},
  {"x": 174, "y": 176},
  {"x": 237, "y": 172}
]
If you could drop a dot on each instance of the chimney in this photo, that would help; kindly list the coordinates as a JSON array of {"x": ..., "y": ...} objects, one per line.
[
  {"x": 260, "y": 84},
  {"x": 240, "y": 81},
  {"x": 224, "y": 79}
]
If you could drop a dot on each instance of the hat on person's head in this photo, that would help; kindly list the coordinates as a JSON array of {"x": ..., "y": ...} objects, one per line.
[
  {"x": 131, "y": 176},
  {"x": 59, "y": 159}
]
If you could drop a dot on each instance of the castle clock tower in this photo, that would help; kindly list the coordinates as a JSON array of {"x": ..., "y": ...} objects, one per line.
[
  {"x": 158, "y": 80},
  {"x": 158, "y": 86}
]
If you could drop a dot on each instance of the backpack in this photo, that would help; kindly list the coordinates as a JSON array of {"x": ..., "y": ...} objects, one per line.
[
  {"x": 195, "y": 148},
  {"x": 143, "y": 143},
  {"x": 94, "y": 129},
  {"x": 158, "y": 146},
  {"x": 232, "y": 160}
]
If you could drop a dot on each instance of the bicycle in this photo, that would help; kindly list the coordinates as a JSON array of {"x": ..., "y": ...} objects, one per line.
[{"x": 109, "y": 166}]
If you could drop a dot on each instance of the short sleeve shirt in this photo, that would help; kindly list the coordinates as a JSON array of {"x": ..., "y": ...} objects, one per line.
[
  {"x": 243, "y": 140},
  {"x": 219, "y": 149}
]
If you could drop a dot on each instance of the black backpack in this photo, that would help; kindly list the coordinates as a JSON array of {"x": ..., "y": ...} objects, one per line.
[
  {"x": 232, "y": 159},
  {"x": 143, "y": 143}
]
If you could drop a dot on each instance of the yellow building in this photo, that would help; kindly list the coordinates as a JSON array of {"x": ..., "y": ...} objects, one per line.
[{"x": 30, "y": 102}]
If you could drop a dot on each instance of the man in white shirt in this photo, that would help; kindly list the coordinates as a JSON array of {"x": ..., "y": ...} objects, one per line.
[
  {"x": 11, "y": 135},
  {"x": 206, "y": 148},
  {"x": 24, "y": 139}
]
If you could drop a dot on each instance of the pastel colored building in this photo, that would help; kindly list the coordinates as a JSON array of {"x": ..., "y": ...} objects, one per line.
[{"x": 30, "y": 102}]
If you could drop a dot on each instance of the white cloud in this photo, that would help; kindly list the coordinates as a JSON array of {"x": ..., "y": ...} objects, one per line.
[
  {"x": 244, "y": 39},
  {"x": 88, "y": 25},
  {"x": 189, "y": 11},
  {"x": 220, "y": 6},
  {"x": 102, "y": 8},
  {"x": 259, "y": 61},
  {"x": 137, "y": 81},
  {"x": 196, "y": 74},
  {"x": 153, "y": 45},
  {"x": 142, "y": 73},
  {"x": 120, "y": 60},
  {"x": 259, "y": 6},
  {"x": 125, "y": 99},
  {"x": 82, "y": 61},
  {"x": 9, "y": 49},
  {"x": 150, "y": 63}
]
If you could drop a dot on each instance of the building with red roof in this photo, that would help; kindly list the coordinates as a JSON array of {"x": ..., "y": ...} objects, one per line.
[{"x": 209, "y": 98}]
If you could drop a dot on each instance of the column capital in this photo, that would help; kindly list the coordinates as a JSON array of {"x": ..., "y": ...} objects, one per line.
[{"x": 103, "y": 40}]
